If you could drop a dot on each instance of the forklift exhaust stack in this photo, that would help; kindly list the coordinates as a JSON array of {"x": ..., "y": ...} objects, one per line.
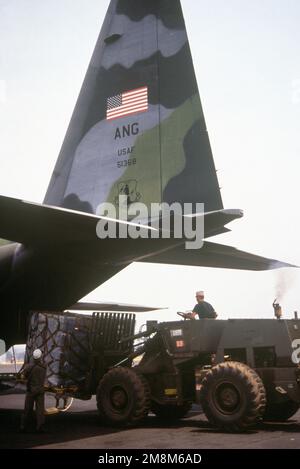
[{"x": 277, "y": 309}]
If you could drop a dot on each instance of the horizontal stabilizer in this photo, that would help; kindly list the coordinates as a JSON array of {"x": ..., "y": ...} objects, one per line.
[
  {"x": 45, "y": 227},
  {"x": 39, "y": 225},
  {"x": 110, "y": 306},
  {"x": 216, "y": 255},
  {"x": 34, "y": 224},
  {"x": 214, "y": 222}
]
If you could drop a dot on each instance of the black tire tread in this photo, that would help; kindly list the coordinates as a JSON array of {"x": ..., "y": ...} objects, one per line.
[
  {"x": 141, "y": 394},
  {"x": 254, "y": 387}
]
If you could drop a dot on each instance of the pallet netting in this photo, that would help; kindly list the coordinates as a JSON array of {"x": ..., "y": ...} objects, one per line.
[
  {"x": 68, "y": 342},
  {"x": 65, "y": 343}
]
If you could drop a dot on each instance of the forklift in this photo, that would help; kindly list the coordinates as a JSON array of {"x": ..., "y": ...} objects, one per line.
[{"x": 241, "y": 371}]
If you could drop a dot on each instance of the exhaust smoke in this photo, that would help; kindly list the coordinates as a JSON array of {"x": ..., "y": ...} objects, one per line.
[{"x": 284, "y": 282}]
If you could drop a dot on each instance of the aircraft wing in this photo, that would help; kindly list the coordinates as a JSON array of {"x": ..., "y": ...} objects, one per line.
[
  {"x": 35, "y": 224},
  {"x": 110, "y": 306},
  {"x": 216, "y": 255}
]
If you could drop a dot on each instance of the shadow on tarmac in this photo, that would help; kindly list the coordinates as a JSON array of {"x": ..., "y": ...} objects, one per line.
[
  {"x": 59, "y": 428},
  {"x": 291, "y": 426},
  {"x": 80, "y": 425}
]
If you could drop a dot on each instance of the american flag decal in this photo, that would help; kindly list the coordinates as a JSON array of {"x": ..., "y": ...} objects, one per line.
[{"x": 128, "y": 103}]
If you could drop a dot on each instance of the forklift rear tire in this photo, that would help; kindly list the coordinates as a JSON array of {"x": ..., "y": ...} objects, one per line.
[
  {"x": 170, "y": 412},
  {"x": 123, "y": 397},
  {"x": 233, "y": 396},
  {"x": 281, "y": 411}
]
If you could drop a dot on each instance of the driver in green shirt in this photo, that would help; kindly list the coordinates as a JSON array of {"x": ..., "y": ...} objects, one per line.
[{"x": 202, "y": 309}]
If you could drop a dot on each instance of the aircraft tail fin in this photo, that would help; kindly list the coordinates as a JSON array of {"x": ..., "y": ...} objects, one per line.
[{"x": 138, "y": 126}]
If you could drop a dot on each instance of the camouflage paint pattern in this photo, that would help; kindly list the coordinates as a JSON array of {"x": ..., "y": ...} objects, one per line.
[{"x": 160, "y": 155}]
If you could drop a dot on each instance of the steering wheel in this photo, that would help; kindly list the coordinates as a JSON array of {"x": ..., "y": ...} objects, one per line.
[{"x": 183, "y": 315}]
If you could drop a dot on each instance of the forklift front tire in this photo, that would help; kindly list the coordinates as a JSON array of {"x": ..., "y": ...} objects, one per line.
[{"x": 123, "y": 397}]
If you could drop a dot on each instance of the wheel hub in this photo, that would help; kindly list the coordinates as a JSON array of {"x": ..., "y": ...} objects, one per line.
[
  {"x": 118, "y": 398},
  {"x": 227, "y": 398}
]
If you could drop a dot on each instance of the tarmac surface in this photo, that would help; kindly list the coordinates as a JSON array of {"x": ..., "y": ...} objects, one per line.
[{"x": 80, "y": 427}]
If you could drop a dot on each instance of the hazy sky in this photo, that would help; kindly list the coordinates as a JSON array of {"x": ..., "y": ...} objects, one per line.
[{"x": 247, "y": 60}]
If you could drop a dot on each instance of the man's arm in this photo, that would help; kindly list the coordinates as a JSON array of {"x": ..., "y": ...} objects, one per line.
[
  {"x": 191, "y": 315},
  {"x": 212, "y": 311},
  {"x": 27, "y": 369},
  {"x": 23, "y": 374}
]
